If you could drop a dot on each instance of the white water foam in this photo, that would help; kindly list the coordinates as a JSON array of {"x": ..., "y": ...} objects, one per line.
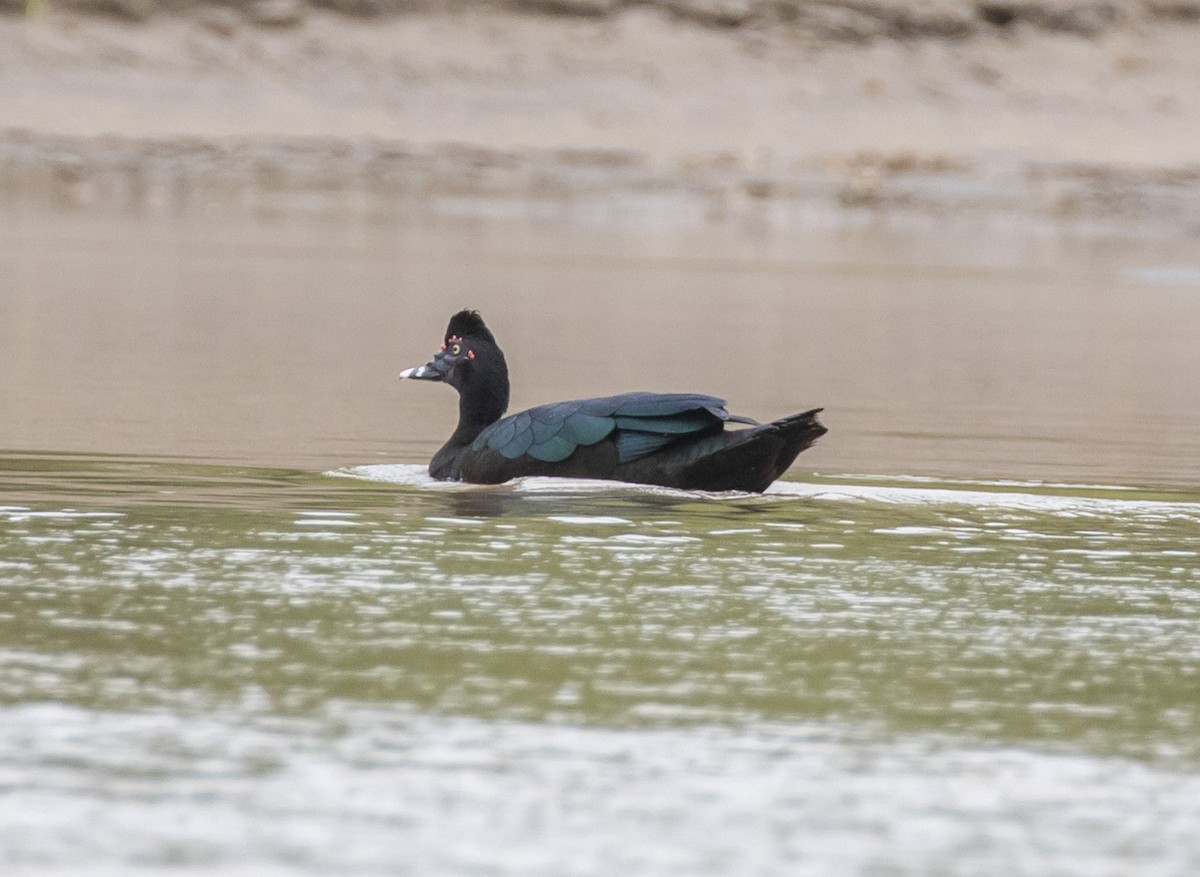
[
  {"x": 412, "y": 475},
  {"x": 911, "y": 492},
  {"x": 1046, "y": 503}
]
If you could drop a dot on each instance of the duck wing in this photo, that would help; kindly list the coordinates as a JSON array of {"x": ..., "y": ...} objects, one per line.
[{"x": 637, "y": 423}]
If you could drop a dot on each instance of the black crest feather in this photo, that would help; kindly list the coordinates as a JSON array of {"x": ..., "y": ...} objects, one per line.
[{"x": 468, "y": 323}]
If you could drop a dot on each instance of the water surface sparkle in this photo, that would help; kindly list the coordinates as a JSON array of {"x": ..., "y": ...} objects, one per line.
[{"x": 855, "y": 674}]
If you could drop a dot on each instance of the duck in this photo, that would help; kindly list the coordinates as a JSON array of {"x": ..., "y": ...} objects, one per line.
[{"x": 676, "y": 440}]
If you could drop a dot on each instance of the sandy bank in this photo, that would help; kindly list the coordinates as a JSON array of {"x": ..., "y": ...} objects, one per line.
[{"x": 1068, "y": 117}]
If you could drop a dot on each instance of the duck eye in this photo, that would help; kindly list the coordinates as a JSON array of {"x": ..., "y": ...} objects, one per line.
[{"x": 456, "y": 349}]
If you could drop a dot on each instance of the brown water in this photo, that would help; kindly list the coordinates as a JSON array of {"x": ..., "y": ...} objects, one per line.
[
  {"x": 276, "y": 341},
  {"x": 241, "y": 632}
]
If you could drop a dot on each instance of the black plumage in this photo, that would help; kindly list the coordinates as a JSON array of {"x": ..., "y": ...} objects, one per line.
[{"x": 670, "y": 439}]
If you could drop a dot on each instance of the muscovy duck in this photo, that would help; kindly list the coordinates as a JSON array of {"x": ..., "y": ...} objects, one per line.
[{"x": 669, "y": 439}]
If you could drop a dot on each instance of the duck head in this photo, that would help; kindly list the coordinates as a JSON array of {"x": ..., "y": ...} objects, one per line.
[{"x": 471, "y": 362}]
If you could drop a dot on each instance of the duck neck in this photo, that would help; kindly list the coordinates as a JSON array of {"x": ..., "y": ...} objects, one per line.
[
  {"x": 476, "y": 412},
  {"x": 482, "y": 399},
  {"x": 473, "y": 418}
]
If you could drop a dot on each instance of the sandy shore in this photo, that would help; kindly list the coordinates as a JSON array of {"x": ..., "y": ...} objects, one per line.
[{"x": 1087, "y": 117}]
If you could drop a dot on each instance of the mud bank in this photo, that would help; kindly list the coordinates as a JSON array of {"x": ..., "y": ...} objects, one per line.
[
  {"x": 386, "y": 178},
  {"x": 849, "y": 20},
  {"x": 1064, "y": 112}
]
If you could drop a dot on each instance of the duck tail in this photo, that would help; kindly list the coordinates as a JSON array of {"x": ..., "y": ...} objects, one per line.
[
  {"x": 750, "y": 459},
  {"x": 799, "y": 432},
  {"x": 802, "y": 425}
]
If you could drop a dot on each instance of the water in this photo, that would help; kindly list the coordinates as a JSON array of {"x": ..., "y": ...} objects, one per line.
[{"x": 241, "y": 632}]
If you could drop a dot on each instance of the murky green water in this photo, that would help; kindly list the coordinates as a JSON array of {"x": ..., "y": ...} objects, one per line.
[
  {"x": 242, "y": 633},
  {"x": 241, "y": 670}
]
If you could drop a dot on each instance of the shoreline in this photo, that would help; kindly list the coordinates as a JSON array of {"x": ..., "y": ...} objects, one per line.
[
  {"x": 633, "y": 108},
  {"x": 854, "y": 21},
  {"x": 383, "y": 177}
]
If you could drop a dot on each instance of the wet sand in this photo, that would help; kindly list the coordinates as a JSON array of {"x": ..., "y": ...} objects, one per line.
[{"x": 1067, "y": 119}]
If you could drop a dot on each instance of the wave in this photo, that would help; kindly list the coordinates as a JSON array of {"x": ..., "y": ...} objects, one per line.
[{"x": 1058, "y": 499}]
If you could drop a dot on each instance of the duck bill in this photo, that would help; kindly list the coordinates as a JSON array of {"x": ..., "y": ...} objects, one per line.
[{"x": 431, "y": 371}]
